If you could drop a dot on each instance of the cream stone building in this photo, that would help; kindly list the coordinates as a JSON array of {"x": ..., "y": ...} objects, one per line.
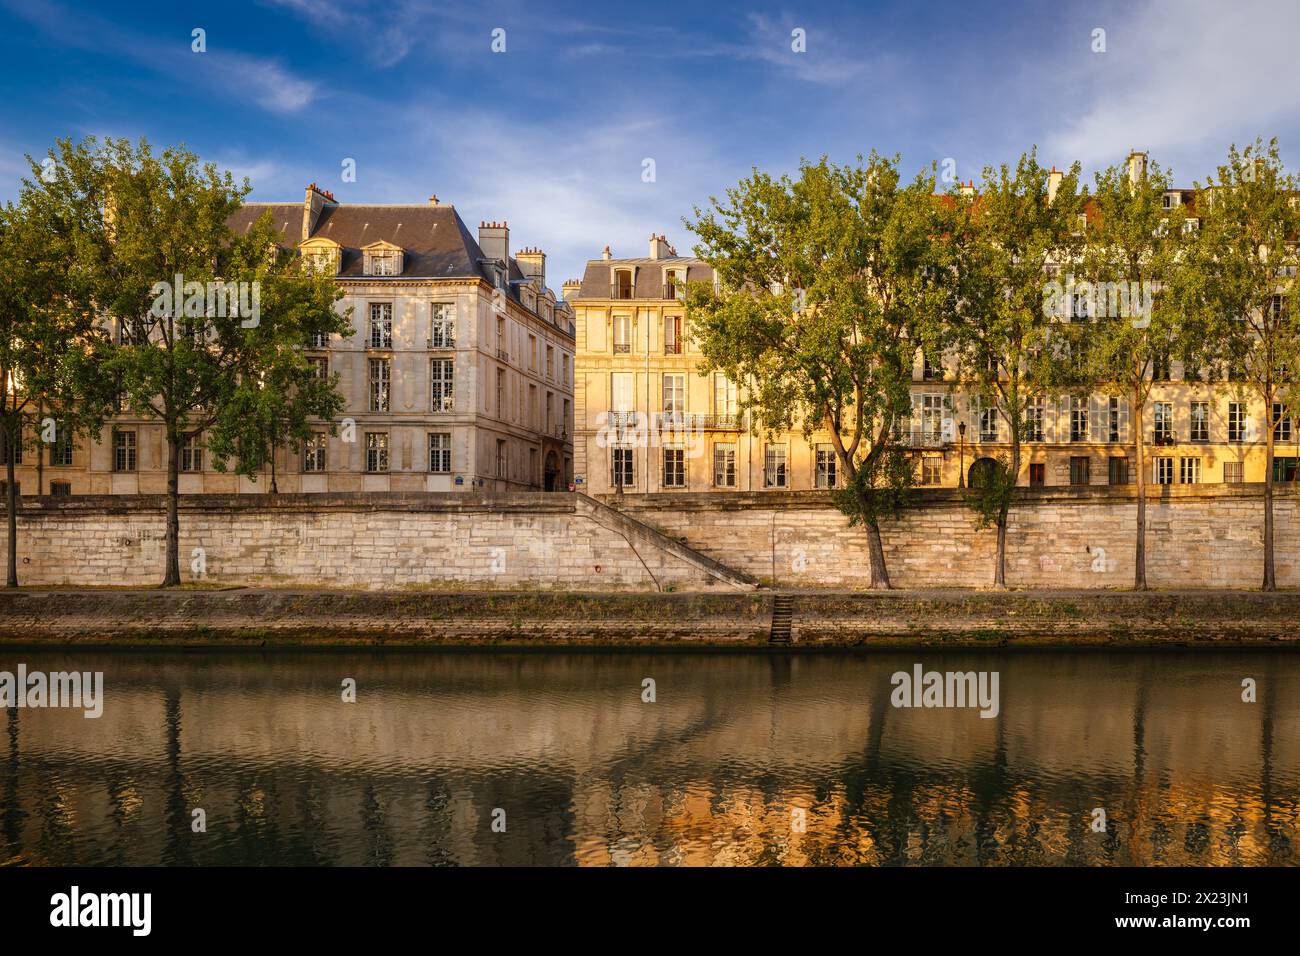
[
  {"x": 648, "y": 421},
  {"x": 458, "y": 375}
]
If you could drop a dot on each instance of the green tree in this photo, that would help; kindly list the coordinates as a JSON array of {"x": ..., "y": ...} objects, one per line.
[
  {"x": 826, "y": 286},
  {"x": 198, "y": 310},
  {"x": 1022, "y": 224},
  {"x": 1127, "y": 275},
  {"x": 51, "y": 349},
  {"x": 284, "y": 403},
  {"x": 1239, "y": 290}
]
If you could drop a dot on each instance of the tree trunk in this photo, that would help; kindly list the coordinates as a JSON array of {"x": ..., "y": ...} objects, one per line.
[
  {"x": 1140, "y": 548},
  {"x": 879, "y": 573},
  {"x": 172, "y": 577},
  {"x": 274, "y": 489},
  {"x": 1270, "y": 579},
  {"x": 1000, "y": 565},
  {"x": 11, "y": 513}
]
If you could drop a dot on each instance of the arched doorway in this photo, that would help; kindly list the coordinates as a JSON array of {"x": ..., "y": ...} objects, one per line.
[
  {"x": 551, "y": 473},
  {"x": 981, "y": 470}
]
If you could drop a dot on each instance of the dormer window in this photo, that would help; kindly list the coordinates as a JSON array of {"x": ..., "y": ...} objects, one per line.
[
  {"x": 382, "y": 259},
  {"x": 672, "y": 280},
  {"x": 1170, "y": 200},
  {"x": 1080, "y": 225},
  {"x": 321, "y": 256},
  {"x": 623, "y": 284}
]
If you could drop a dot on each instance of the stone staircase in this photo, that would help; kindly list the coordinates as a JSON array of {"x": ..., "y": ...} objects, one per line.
[{"x": 782, "y": 619}]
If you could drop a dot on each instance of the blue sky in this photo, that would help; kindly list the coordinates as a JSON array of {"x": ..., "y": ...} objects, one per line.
[{"x": 552, "y": 133}]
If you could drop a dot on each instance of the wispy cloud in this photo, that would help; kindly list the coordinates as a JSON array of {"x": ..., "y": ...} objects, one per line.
[
  {"x": 220, "y": 70},
  {"x": 1181, "y": 78}
]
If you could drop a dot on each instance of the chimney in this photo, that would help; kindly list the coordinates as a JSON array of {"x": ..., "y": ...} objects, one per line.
[
  {"x": 968, "y": 189},
  {"x": 570, "y": 289},
  {"x": 1137, "y": 167},
  {"x": 316, "y": 200},
  {"x": 494, "y": 240},
  {"x": 659, "y": 248},
  {"x": 605, "y": 255},
  {"x": 532, "y": 263},
  {"x": 1053, "y": 184}
]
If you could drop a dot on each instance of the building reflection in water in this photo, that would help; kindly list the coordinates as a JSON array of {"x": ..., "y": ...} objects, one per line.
[{"x": 586, "y": 773}]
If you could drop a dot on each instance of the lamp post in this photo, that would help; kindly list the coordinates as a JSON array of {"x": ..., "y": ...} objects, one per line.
[{"x": 961, "y": 461}]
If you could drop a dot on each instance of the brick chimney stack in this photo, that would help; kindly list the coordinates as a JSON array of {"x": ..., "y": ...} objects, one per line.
[
  {"x": 316, "y": 200},
  {"x": 494, "y": 240}
]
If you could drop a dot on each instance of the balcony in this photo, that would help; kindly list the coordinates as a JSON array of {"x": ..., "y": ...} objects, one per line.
[
  {"x": 672, "y": 348},
  {"x": 440, "y": 343}
]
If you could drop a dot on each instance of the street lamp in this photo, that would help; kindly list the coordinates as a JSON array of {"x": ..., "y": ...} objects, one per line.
[{"x": 961, "y": 461}]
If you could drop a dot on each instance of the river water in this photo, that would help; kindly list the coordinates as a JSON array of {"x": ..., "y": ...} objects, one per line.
[{"x": 479, "y": 757}]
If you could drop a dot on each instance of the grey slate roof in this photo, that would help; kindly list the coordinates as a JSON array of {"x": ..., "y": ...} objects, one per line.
[
  {"x": 648, "y": 275},
  {"x": 434, "y": 239}
]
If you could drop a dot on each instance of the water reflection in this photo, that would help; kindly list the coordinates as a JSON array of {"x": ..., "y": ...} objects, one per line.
[{"x": 709, "y": 774}]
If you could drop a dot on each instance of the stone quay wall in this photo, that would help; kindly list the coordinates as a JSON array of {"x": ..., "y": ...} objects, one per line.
[{"x": 1198, "y": 536}]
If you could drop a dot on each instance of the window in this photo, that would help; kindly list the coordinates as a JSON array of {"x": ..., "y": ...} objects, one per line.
[
  {"x": 381, "y": 326},
  {"x": 501, "y": 393},
  {"x": 931, "y": 369},
  {"x": 532, "y": 353},
  {"x": 442, "y": 326},
  {"x": 1078, "y": 419},
  {"x": 622, "y": 334},
  {"x": 440, "y": 452},
  {"x": 61, "y": 489},
  {"x": 192, "y": 454},
  {"x": 564, "y": 422},
  {"x": 124, "y": 451},
  {"x": 1116, "y": 418},
  {"x": 1236, "y": 421},
  {"x": 1163, "y": 471},
  {"x": 383, "y": 264},
  {"x": 1281, "y": 423},
  {"x": 672, "y": 335},
  {"x": 17, "y": 448},
  {"x": 1034, "y": 420},
  {"x": 564, "y": 368},
  {"x": 61, "y": 448},
  {"x": 550, "y": 412},
  {"x": 379, "y": 384},
  {"x": 550, "y": 362},
  {"x": 313, "y": 452},
  {"x": 1232, "y": 472},
  {"x": 1164, "y": 423},
  {"x": 621, "y": 398},
  {"x": 774, "y": 466},
  {"x": 934, "y": 412},
  {"x": 670, "y": 284},
  {"x": 502, "y": 351},
  {"x": 376, "y": 451},
  {"x": 319, "y": 340},
  {"x": 441, "y": 384},
  {"x": 1037, "y": 474},
  {"x": 1118, "y": 470},
  {"x": 674, "y": 387},
  {"x": 621, "y": 470},
  {"x": 623, "y": 284},
  {"x": 1286, "y": 468},
  {"x": 826, "y": 465},
  {"x": 724, "y": 396},
  {"x": 674, "y": 467},
  {"x": 988, "y": 421},
  {"x": 1079, "y": 468},
  {"x": 320, "y": 367},
  {"x": 1189, "y": 471},
  {"x": 501, "y": 458},
  {"x": 724, "y": 465},
  {"x": 1080, "y": 225},
  {"x": 1160, "y": 367},
  {"x": 1200, "y": 421},
  {"x": 931, "y": 470}
]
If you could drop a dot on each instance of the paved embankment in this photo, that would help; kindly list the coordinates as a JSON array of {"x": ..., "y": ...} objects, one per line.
[{"x": 248, "y": 617}]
